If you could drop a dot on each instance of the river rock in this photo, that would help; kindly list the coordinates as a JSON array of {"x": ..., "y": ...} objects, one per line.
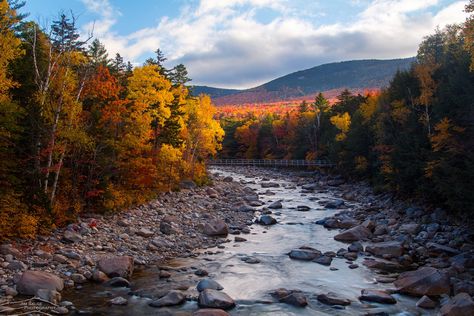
[
  {"x": 228, "y": 179},
  {"x": 78, "y": 278},
  {"x": 386, "y": 266},
  {"x": 353, "y": 234},
  {"x": 343, "y": 222},
  {"x": 9, "y": 291},
  {"x": 116, "y": 266},
  {"x": 17, "y": 265},
  {"x": 210, "y": 312},
  {"x": 292, "y": 297},
  {"x": 303, "y": 208},
  {"x": 7, "y": 249},
  {"x": 334, "y": 204},
  {"x": 296, "y": 299},
  {"x": 208, "y": 284},
  {"x": 464, "y": 286},
  {"x": 460, "y": 305},
  {"x": 304, "y": 254},
  {"x": 216, "y": 227},
  {"x": 267, "y": 220},
  {"x": 267, "y": 185},
  {"x": 275, "y": 205},
  {"x": 310, "y": 186},
  {"x": 424, "y": 281},
  {"x": 118, "y": 301},
  {"x": 31, "y": 281},
  {"x": 72, "y": 236},
  {"x": 411, "y": 229},
  {"x": 214, "y": 299},
  {"x": 439, "y": 249},
  {"x": 426, "y": 302},
  {"x": 172, "y": 298},
  {"x": 355, "y": 247},
  {"x": 145, "y": 232},
  {"x": 99, "y": 276},
  {"x": 250, "y": 260},
  {"x": 391, "y": 248},
  {"x": 51, "y": 296},
  {"x": 324, "y": 260},
  {"x": 118, "y": 282},
  {"x": 60, "y": 258},
  {"x": 167, "y": 228},
  {"x": 201, "y": 272},
  {"x": 333, "y": 299},
  {"x": 377, "y": 296},
  {"x": 187, "y": 184}
]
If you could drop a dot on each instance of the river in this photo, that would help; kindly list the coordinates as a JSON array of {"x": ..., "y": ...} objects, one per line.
[{"x": 250, "y": 284}]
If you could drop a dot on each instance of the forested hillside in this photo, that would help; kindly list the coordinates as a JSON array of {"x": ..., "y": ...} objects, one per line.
[
  {"x": 415, "y": 137},
  {"x": 357, "y": 75},
  {"x": 82, "y": 132}
]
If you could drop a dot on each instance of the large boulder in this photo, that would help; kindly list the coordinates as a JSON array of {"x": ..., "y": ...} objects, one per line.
[
  {"x": 275, "y": 205},
  {"x": 334, "y": 204},
  {"x": 267, "y": 220},
  {"x": 172, "y": 298},
  {"x": 333, "y": 299},
  {"x": 208, "y": 284},
  {"x": 145, "y": 232},
  {"x": 304, "y": 254},
  {"x": 72, "y": 236},
  {"x": 392, "y": 248},
  {"x": 353, "y": 234},
  {"x": 215, "y": 299},
  {"x": 32, "y": 281},
  {"x": 292, "y": 297},
  {"x": 386, "y": 266},
  {"x": 216, "y": 227},
  {"x": 460, "y": 305},
  {"x": 116, "y": 266},
  {"x": 425, "y": 281},
  {"x": 411, "y": 229},
  {"x": 377, "y": 296}
]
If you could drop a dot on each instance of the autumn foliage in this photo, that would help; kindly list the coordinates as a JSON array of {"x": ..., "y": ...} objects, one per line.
[
  {"x": 81, "y": 132},
  {"x": 414, "y": 138}
]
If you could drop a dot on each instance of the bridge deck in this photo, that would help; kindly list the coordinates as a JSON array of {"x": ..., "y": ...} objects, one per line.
[{"x": 270, "y": 163}]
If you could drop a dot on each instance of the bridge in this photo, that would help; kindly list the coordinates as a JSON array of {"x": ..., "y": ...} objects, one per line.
[{"x": 271, "y": 163}]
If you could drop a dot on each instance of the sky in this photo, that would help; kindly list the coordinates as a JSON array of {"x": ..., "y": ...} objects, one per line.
[{"x": 244, "y": 43}]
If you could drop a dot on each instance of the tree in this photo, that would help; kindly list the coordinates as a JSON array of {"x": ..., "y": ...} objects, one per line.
[
  {"x": 153, "y": 91},
  {"x": 179, "y": 75},
  {"x": 98, "y": 55},
  {"x": 203, "y": 134},
  {"x": 320, "y": 106},
  {"x": 469, "y": 32}
]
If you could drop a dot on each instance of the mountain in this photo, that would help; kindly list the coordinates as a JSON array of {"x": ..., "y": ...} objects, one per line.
[
  {"x": 213, "y": 92},
  {"x": 356, "y": 75}
]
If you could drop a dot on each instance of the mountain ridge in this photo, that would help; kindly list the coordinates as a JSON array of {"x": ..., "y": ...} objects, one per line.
[{"x": 358, "y": 75}]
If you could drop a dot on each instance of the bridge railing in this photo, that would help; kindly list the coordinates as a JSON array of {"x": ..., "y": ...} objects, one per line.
[{"x": 270, "y": 162}]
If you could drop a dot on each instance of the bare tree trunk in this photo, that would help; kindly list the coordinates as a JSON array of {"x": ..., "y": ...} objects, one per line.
[
  {"x": 52, "y": 143},
  {"x": 56, "y": 178}
]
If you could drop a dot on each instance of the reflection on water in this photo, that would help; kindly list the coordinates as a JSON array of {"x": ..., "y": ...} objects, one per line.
[{"x": 250, "y": 284}]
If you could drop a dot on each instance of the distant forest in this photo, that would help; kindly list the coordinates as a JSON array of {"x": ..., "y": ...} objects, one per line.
[{"x": 415, "y": 137}]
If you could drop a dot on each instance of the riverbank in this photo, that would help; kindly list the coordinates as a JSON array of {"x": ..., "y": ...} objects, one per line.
[
  {"x": 173, "y": 225},
  {"x": 356, "y": 241}
]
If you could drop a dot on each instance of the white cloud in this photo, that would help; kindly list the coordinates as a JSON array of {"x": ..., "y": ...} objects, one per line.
[{"x": 223, "y": 43}]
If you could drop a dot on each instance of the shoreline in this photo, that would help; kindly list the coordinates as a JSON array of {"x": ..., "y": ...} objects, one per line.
[
  {"x": 171, "y": 226},
  {"x": 174, "y": 225}
]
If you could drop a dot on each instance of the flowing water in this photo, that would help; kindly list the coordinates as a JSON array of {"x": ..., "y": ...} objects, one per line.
[{"x": 249, "y": 284}]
